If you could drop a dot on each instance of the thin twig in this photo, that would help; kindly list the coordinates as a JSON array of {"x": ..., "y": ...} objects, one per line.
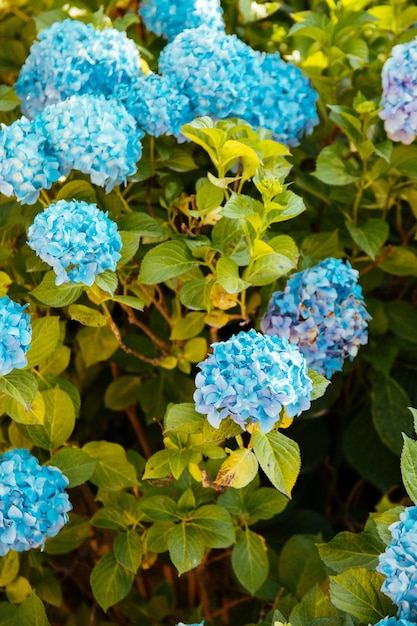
[
  {"x": 123, "y": 346},
  {"x": 164, "y": 345},
  {"x": 377, "y": 261},
  {"x": 139, "y": 432}
]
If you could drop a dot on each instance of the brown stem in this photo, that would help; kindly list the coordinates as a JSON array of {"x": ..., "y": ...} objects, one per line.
[
  {"x": 377, "y": 261},
  {"x": 160, "y": 305},
  {"x": 116, "y": 333},
  {"x": 203, "y": 586},
  {"x": 139, "y": 432},
  {"x": 230, "y": 605},
  {"x": 164, "y": 345}
]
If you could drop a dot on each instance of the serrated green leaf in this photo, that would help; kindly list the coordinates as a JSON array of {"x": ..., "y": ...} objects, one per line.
[
  {"x": 96, "y": 344},
  {"x": 370, "y": 236},
  {"x": 279, "y": 457},
  {"x": 390, "y": 414},
  {"x": 157, "y": 466},
  {"x": 332, "y": 170},
  {"x": 45, "y": 336},
  {"x": 110, "y": 581},
  {"x": 128, "y": 550},
  {"x": 75, "y": 464},
  {"x": 228, "y": 276},
  {"x": 250, "y": 561},
  {"x": 300, "y": 566},
  {"x": 47, "y": 292},
  {"x": 402, "y": 319},
  {"x": 215, "y": 525},
  {"x": 158, "y": 535},
  {"x": 131, "y": 301},
  {"x": 70, "y": 537},
  {"x": 141, "y": 224},
  {"x": 186, "y": 547},
  {"x": 31, "y": 612},
  {"x": 122, "y": 393},
  {"x": 47, "y": 586},
  {"x": 59, "y": 420},
  {"x": 9, "y": 567},
  {"x": 86, "y": 315},
  {"x": 195, "y": 294},
  {"x": 320, "y": 384},
  {"x": 21, "y": 386},
  {"x": 165, "y": 261},
  {"x": 107, "y": 281},
  {"x": 315, "y": 609},
  {"x": 400, "y": 262},
  {"x": 113, "y": 471},
  {"x": 159, "y": 508},
  {"x": 349, "y": 550},
  {"x": 80, "y": 190},
  {"x": 18, "y": 590},
  {"x": 264, "y": 503},
  {"x": 189, "y": 326},
  {"x": 267, "y": 269},
  {"x": 238, "y": 470},
  {"x": 183, "y": 418},
  {"x": 409, "y": 467}
]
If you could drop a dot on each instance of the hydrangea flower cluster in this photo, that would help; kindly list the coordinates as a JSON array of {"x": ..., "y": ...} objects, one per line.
[
  {"x": 15, "y": 336},
  {"x": 33, "y": 503},
  {"x": 170, "y": 17},
  {"x": 322, "y": 311},
  {"x": 157, "y": 105},
  {"x": 93, "y": 135},
  {"x": 399, "y": 565},
  {"x": 77, "y": 240},
  {"x": 399, "y": 83},
  {"x": 393, "y": 621},
  {"x": 182, "y": 624},
  {"x": 250, "y": 378},
  {"x": 25, "y": 166},
  {"x": 75, "y": 58}
]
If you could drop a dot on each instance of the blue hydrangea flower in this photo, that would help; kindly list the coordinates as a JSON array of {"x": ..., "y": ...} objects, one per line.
[
  {"x": 282, "y": 100},
  {"x": 393, "y": 621},
  {"x": 33, "y": 503},
  {"x": 251, "y": 377},
  {"x": 77, "y": 240},
  {"x": 72, "y": 58},
  {"x": 170, "y": 17},
  {"x": 157, "y": 105},
  {"x": 399, "y": 102},
  {"x": 15, "y": 335},
  {"x": 182, "y": 624},
  {"x": 93, "y": 135},
  {"x": 25, "y": 166},
  {"x": 399, "y": 565},
  {"x": 322, "y": 311}
]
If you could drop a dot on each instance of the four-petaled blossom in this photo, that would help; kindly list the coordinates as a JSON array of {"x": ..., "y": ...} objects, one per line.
[
  {"x": 77, "y": 240},
  {"x": 399, "y": 565},
  {"x": 33, "y": 502},
  {"x": 93, "y": 135},
  {"x": 250, "y": 378},
  {"x": 170, "y": 17},
  {"x": 26, "y": 167},
  {"x": 399, "y": 102},
  {"x": 322, "y": 311},
  {"x": 15, "y": 335},
  {"x": 72, "y": 58}
]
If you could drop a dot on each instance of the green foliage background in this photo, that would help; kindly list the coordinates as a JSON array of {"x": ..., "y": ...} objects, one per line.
[{"x": 210, "y": 229}]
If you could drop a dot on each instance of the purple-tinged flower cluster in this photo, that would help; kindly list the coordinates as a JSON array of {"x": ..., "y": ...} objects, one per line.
[
  {"x": 33, "y": 503},
  {"x": 170, "y": 17},
  {"x": 25, "y": 165},
  {"x": 15, "y": 336},
  {"x": 93, "y": 135},
  {"x": 322, "y": 311},
  {"x": 77, "y": 240},
  {"x": 250, "y": 378},
  {"x": 399, "y": 101},
  {"x": 399, "y": 565},
  {"x": 72, "y": 58}
]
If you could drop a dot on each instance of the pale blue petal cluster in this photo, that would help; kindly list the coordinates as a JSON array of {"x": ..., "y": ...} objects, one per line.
[
  {"x": 399, "y": 101},
  {"x": 170, "y": 17},
  {"x": 77, "y": 240},
  {"x": 33, "y": 503},
  {"x": 93, "y": 135},
  {"x": 15, "y": 336},
  {"x": 157, "y": 105},
  {"x": 223, "y": 77},
  {"x": 399, "y": 565},
  {"x": 74, "y": 58},
  {"x": 25, "y": 166},
  {"x": 182, "y": 624},
  {"x": 322, "y": 311},
  {"x": 393, "y": 621},
  {"x": 250, "y": 378}
]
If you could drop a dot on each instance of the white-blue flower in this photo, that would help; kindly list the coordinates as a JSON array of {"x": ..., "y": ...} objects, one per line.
[
  {"x": 74, "y": 58},
  {"x": 77, "y": 240},
  {"x": 322, "y": 311},
  {"x": 93, "y": 135},
  {"x": 250, "y": 378},
  {"x": 170, "y": 17},
  {"x": 15, "y": 335},
  {"x": 33, "y": 502}
]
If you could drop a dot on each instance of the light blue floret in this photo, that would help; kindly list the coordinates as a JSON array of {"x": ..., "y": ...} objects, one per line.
[
  {"x": 182, "y": 624},
  {"x": 322, "y": 311},
  {"x": 399, "y": 565},
  {"x": 170, "y": 17},
  {"x": 33, "y": 503},
  {"x": 74, "y": 58},
  {"x": 15, "y": 335},
  {"x": 251, "y": 377},
  {"x": 93, "y": 135},
  {"x": 77, "y": 240},
  {"x": 399, "y": 102},
  {"x": 25, "y": 165},
  {"x": 393, "y": 621}
]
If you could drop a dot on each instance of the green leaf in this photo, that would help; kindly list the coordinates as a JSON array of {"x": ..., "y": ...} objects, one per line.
[
  {"x": 47, "y": 292},
  {"x": 70, "y": 537},
  {"x": 141, "y": 224},
  {"x": 390, "y": 414},
  {"x": 357, "y": 592},
  {"x": 31, "y": 613},
  {"x": 315, "y": 609},
  {"x": 300, "y": 566},
  {"x": 59, "y": 420},
  {"x": 158, "y": 535},
  {"x": 56, "y": 363},
  {"x": 18, "y": 590},
  {"x": 238, "y": 470},
  {"x": 45, "y": 336},
  {"x": 283, "y": 244},
  {"x": 75, "y": 464},
  {"x": 165, "y": 261},
  {"x": 384, "y": 520},
  {"x": 9, "y": 568},
  {"x": 80, "y": 190},
  {"x": 183, "y": 418},
  {"x": 208, "y": 198},
  {"x": 320, "y": 384},
  {"x": 349, "y": 550},
  {"x": 267, "y": 269},
  {"x": 96, "y": 344},
  {"x": 86, "y": 315},
  {"x": 34, "y": 414},
  {"x": 21, "y": 386},
  {"x": 113, "y": 471},
  {"x": 400, "y": 262},
  {"x": 403, "y": 159},
  {"x": 320, "y": 246},
  {"x": 215, "y": 526},
  {"x": 157, "y": 466},
  {"x": 131, "y": 301},
  {"x": 122, "y": 393},
  {"x": 47, "y": 586},
  {"x": 239, "y": 206},
  {"x": 128, "y": 550},
  {"x": 8, "y": 98},
  {"x": 107, "y": 281},
  {"x": 409, "y": 467},
  {"x": 189, "y": 326},
  {"x": 7, "y": 614},
  {"x": 279, "y": 457},
  {"x": 402, "y": 319},
  {"x": 250, "y": 561},
  {"x": 178, "y": 461},
  {"x": 228, "y": 276},
  {"x": 264, "y": 503},
  {"x": 130, "y": 245},
  {"x": 414, "y": 414},
  {"x": 369, "y": 237},
  {"x": 195, "y": 294},
  {"x": 332, "y": 170},
  {"x": 186, "y": 547},
  {"x": 159, "y": 508},
  {"x": 227, "y": 429},
  {"x": 110, "y": 581}
]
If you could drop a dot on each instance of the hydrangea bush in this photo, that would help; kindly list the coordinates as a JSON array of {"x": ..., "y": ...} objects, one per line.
[{"x": 208, "y": 211}]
